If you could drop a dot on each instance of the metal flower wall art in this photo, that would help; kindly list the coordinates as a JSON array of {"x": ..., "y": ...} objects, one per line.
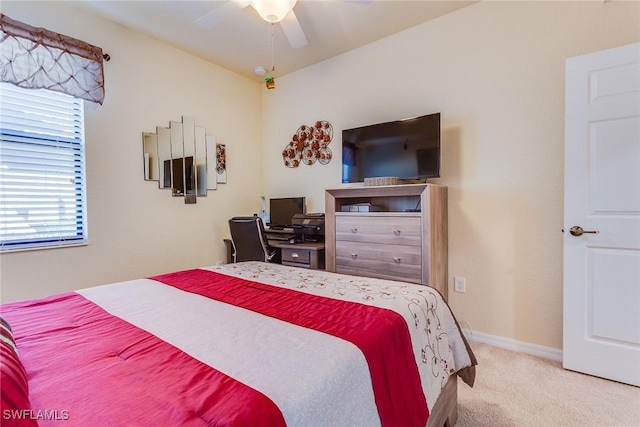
[{"x": 309, "y": 144}]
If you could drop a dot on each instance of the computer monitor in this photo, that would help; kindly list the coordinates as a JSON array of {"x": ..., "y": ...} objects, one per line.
[{"x": 282, "y": 210}]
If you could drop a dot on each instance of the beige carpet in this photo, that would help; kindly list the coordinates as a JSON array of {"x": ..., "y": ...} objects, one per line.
[{"x": 515, "y": 389}]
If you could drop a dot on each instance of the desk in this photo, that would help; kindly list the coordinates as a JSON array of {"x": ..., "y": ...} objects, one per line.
[{"x": 305, "y": 255}]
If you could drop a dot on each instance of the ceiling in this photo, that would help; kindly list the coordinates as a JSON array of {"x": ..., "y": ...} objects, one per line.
[{"x": 242, "y": 41}]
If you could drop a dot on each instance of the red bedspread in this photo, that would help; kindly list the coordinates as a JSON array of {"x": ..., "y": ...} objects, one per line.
[{"x": 102, "y": 370}]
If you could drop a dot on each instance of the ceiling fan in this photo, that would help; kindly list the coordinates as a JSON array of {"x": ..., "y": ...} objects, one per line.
[{"x": 272, "y": 11}]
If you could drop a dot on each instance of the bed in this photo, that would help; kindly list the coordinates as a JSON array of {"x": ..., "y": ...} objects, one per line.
[{"x": 240, "y": 344}]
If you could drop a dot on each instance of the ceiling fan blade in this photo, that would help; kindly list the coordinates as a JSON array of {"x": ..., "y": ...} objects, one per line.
[
  {"x": 293, "y": 30},
  {"x": 221, "y": 13}
]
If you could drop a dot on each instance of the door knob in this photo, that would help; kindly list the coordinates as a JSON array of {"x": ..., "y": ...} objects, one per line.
[{"x": 576, "y": 230}]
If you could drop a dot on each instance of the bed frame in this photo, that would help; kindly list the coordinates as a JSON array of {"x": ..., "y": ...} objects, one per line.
[{"x": 445, "y": 411}]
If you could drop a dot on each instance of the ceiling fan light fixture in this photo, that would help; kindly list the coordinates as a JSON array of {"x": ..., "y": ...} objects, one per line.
[{"x": 273, "y": 10}]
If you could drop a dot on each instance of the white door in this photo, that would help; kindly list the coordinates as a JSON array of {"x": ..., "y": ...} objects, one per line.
[{"x": 602, "y": 196}]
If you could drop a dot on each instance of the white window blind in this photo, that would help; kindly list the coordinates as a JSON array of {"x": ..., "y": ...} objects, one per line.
[{"x": 42, "y": 173}]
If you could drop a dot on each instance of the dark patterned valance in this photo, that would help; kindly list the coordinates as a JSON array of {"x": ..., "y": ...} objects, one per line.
[{"x": 37, "y": 58}]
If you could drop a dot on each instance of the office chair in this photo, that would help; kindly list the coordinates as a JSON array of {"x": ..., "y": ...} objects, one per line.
[{"x": 250, "y": 241}]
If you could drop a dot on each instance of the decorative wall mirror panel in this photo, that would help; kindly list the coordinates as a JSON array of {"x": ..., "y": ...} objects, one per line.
[
  {"x": 164, "y": 152},
  {"x": 150, "y": 141},
  {"x": 181, "y": 158}
]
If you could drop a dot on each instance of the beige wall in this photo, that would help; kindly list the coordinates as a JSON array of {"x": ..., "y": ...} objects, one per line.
[
  {"x": 495, "y": 71},
  {"x": 135, "y": 229}
]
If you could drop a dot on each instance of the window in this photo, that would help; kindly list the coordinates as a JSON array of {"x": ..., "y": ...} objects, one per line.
[{"x": 42, "y": 169}]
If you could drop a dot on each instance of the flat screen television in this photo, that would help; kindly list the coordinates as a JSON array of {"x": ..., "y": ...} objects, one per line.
[
  {"x": 175, "y": 167},
  {"x": 408, "y": 149},
  {"x": 282, "y": 210}
]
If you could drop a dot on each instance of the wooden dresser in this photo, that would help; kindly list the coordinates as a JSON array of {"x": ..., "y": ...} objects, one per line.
[{"x": 402, "y": 237}]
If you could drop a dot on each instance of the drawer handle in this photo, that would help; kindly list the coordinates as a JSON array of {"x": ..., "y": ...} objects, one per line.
[
  {"x": 295, "y": 255},
  {"x": 397, "y": 260},
  {"x": 396, "y": 232},
  {"x": 354, "y": 255},
  {"x": 354, "y": 229}
]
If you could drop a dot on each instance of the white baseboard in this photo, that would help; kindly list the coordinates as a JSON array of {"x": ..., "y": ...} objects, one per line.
[{"x": 511, "y": 344}]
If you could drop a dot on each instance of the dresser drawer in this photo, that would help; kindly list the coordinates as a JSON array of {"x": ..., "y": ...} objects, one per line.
[
  {"x": 380, "y": 260},
  {"x": 300, "y": 256},
  {"x": 386, "y": 229}
]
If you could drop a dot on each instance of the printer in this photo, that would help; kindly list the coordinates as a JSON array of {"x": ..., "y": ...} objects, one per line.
[{"x": 308, "y": 227}]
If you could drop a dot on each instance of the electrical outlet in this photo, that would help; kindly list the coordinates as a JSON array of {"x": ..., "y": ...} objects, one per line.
[{"x": 459, "y": 284}]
